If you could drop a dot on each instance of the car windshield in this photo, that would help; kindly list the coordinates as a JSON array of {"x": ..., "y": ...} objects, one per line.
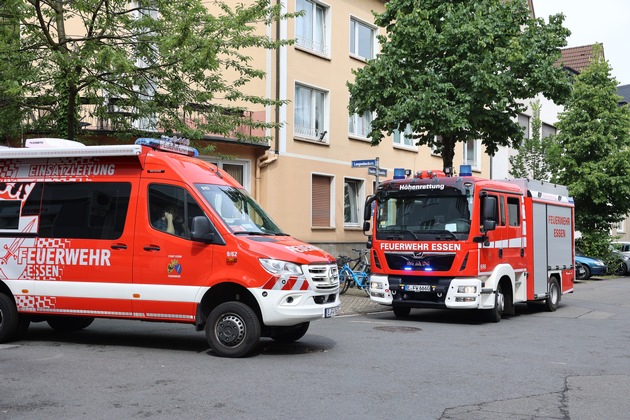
[
  {"x": 238, "y": 210},
  {"x": 437, "y": 215}
]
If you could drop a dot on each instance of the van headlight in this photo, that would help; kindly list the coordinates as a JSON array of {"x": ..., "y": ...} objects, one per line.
[{"x": 280, "y": 267}]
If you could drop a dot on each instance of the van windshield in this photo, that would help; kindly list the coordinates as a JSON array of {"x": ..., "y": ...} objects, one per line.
[{"x": 238, "y": 210}]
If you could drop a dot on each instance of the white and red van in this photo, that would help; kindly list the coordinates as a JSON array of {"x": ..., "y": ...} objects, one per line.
[{"x": 149, "y": 232}]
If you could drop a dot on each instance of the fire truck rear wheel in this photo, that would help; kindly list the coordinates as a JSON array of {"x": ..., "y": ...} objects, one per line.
[
  {"x": 551, "y": 303},
  {"x": 69, "y": 323},
  {"x": 289, "y": 334},
  {"x": 9, "y": 318},
  {"x": 233, "y": 329}
]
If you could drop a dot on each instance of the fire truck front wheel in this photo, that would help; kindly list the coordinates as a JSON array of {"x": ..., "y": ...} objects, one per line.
[
  {"x": 289, "y": 334},
  {"x": 233, "y": 329},
  {"x": 494, "y": 314},
  {"x": 401, "y": 311},
  {"x": 69, "y": 323}
]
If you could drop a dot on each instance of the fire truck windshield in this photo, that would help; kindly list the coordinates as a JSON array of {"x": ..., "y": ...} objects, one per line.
[
  {"x": 441, "y": 215},
  {"x": 238, "y": 210}
]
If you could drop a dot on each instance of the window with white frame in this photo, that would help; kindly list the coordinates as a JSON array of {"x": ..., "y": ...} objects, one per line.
[
  {"x": 310, "y": 108},
  {"x": 362, "y": 39},
  {"x": 472, "y": 154},
  {"x": 360, "y": 125},
  {"x": 321, "y": 213},
  {"x": 311, "y": 28},
  {"x": 238, "y": 169},
  {"x": 352, "y": 190},
  {"x": 403, "y": 138}
]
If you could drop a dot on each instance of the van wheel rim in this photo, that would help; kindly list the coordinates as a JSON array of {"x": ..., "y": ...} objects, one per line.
[{"x": 230, "y": 330}]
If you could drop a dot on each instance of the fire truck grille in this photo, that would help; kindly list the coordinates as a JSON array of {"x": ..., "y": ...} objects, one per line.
[
  {"x": 324, "y": 277},
  {"x": 422, "y": 261}
]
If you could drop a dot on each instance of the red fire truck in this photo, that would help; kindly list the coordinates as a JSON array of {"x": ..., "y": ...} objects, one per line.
[{"x": 464, "y": 242}]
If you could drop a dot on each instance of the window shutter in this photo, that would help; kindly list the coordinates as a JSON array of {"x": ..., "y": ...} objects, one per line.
[{"x": 321, "y": 201}]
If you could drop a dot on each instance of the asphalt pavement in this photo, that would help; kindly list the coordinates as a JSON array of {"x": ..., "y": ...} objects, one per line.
[{"x": 356, "y": 301}]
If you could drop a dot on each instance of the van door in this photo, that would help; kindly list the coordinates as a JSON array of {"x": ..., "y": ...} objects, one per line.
[
  {"x": 169, "y": 268},
  {"x": 81, "y": 259}
]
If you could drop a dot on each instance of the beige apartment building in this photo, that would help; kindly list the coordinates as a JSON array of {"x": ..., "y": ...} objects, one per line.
[{"x": 305, "y": 178}]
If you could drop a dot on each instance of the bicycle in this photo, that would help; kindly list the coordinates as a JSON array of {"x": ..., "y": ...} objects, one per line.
[{"x": 358, "y": 274}]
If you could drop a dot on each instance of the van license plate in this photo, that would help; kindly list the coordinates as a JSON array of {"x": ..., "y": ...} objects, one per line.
[
  {"x": 418, "y": 288},
  {"x": 330, "y": 312}
]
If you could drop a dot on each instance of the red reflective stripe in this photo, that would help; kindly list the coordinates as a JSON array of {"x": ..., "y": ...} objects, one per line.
[{"x": 289, "y": 285}]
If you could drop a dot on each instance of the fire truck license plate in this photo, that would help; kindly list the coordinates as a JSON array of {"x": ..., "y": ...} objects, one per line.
[
  {"x": 418, "y": 288},
  {"x": 330, "y": 312}
]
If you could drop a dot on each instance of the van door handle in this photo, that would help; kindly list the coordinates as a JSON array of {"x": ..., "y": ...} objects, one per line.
[
  {"x": 151, "y": 248},
  {"x": 118, "y": 246}
]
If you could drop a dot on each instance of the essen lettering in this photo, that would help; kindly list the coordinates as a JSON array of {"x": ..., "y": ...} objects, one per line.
[{"x": 419, "y": 246}]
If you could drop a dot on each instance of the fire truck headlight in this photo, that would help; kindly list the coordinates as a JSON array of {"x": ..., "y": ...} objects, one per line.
[
  {"x": 280, "y": 267},
  {"x": 467, "y": 289},
  {"x": 376, "y": 285}
]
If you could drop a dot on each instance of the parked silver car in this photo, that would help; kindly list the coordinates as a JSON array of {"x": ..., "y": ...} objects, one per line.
[{"x": 621, "y": 254}]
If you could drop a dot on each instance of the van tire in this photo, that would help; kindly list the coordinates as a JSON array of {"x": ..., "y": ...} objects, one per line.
[
  {"x": 233, "y": 329},
  {"x": 9, "y": 318},
  {"x": 289, "y": 334},
  {"x": 69, "y": 323}
]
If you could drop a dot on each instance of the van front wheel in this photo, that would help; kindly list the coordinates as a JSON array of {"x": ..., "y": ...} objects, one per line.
[{"x": 233, "y": 329}]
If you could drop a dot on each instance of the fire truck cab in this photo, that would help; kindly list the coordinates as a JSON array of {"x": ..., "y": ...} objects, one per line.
[
  {"x": 469, "y": 243},
  {"x": 149, "y": 232}
]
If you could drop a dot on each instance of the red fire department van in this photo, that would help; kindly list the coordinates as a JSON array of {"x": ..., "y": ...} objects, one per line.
[
  {"x": 149, "y": 232},
  {"x": 469, "y": 243}
]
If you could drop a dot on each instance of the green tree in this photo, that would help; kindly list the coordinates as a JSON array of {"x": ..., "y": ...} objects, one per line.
[
  {"x": 592, "y": 152},
  {"x": 458, "y": 69},
  {"x": 531, "y": 161},
  {"x": 175, "y": 66},
  {"x": 10, "y": 73}
]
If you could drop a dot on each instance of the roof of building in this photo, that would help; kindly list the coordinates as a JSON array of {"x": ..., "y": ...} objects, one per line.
[
  {"x": 579, "y": 58},
  {"x": 624, "y": 91}
]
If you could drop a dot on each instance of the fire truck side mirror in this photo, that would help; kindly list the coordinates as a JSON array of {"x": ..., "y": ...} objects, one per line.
[
  {"x": 367, "y": 210},
  {"x": 366, "y": 226},
  {"x": 489, "y": 213}
]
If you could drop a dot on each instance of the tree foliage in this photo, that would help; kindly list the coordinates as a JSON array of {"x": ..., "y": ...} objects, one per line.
[
  {"x": 592, "y": 150},
  {"x": 10, "y": 73},
  {"x": 531, "y": 161},
  {"x": 457, "y": 69},
  {"x": 167, "y": 65}
]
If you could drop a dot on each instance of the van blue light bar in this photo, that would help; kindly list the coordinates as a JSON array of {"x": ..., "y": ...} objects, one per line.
[{"x": 167, "y": 146}]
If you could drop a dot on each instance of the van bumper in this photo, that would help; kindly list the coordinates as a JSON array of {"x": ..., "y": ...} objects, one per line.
[{"x": 285, "y": 308}]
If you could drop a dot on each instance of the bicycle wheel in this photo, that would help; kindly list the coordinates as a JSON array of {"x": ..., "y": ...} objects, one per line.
[{"x": 345, "y": 279}]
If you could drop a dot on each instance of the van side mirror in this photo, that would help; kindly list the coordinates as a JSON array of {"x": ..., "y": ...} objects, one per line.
[{"x": 203, "y": 231}]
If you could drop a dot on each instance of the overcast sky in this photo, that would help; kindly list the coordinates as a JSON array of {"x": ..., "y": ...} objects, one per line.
[{"x": 603, "y": 21}]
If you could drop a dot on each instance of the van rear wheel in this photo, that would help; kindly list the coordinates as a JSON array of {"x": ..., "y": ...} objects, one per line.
[
  {"x": 9, "y": 318},
  {"x": 233, "y": 329}
]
